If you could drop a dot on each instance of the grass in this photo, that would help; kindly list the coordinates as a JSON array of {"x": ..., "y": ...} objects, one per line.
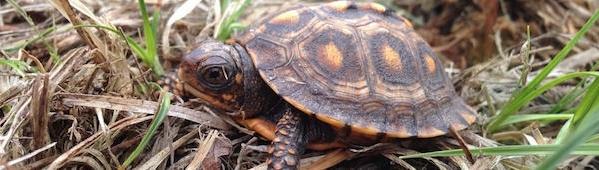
[
  {"x": 523, "y": 96},
  {"x": 531, "y": 117},
  {"x": 578, "y": 130},
  {"x": 149, "y": 54},
  {"x": 17, "y": 65},
  {"x": 165, "y": 103},
  {"x": 581, "y": 125},
  {"x": 511, "y": 150},
  {"x": 231, "y": 11},
  {"x": 21, "y": 12}
]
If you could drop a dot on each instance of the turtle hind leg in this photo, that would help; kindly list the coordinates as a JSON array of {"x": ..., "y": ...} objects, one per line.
[{"x": 289, "y": 141}]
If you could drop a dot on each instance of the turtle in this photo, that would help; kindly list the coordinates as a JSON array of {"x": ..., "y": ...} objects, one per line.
[{"x": 327, "y": 76}]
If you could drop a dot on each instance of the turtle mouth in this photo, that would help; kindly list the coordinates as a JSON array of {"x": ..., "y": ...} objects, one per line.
[{"x": 214, "y": 101}]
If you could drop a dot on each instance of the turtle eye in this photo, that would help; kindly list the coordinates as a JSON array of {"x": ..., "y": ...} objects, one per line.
[{"x": 216, "y": 76}]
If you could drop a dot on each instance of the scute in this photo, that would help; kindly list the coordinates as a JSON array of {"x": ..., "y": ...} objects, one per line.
[
  {"x": 288, "y": 24},
  {"x": 352, "y": 64},
  {"x": 386, "y": 49},
  {"x": 333, "y": 53}
]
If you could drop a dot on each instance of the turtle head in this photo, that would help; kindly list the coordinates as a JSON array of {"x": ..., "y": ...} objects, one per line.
[
  {"x": 211, "y": 72},
  {"x": 224, "y": 76}
]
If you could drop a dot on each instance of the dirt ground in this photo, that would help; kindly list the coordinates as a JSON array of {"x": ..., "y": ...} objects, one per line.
[{"x": 78, "y": 97}]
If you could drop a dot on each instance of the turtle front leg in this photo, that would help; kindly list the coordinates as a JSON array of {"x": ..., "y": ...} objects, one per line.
[{"x": 289, "y": 141}]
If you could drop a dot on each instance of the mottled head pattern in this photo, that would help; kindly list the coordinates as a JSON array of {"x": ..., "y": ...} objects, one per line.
[
  {"x": 211, "y": 72},
  {"x": 356, "y": 65}
]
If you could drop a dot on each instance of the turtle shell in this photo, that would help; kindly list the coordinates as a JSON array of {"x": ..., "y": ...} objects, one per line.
[{"x": 356, "y": 65}]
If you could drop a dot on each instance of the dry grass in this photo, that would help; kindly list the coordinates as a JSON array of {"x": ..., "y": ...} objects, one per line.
[{"x": 81, "y": 98}]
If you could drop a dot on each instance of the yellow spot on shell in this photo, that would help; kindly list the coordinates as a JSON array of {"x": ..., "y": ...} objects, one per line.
[
  {"x": 332, "y": 56},
  {"x": 392, "y": 58},
  {"x": 340, "y": 5},
  {"x": 430, "y": 63},
  {"x": 378, "y": 7},
  {"x": 288, "y": 17}
]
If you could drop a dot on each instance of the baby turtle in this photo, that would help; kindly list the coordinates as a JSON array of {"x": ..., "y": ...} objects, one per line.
[{"x": 324, "y": 76}]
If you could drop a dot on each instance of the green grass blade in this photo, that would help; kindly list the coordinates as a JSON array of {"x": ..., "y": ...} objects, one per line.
[
  {"x": 518, "y": 100},
  {"x": 22, "y": 44},
  {"x": 17, "y": 65},
  {"x": 550, "y": 84},
  {"x": 163, "y": 109},
  {"x": 135, "y": 47},
  {"x": 21, "y": 12},
  {"x": 561, "y": 135},
  {"x": 586, "y": 103},
  {"x": 510, "y": 150},
  {"x": 232, "y": 12},
  {"x": 569, "y": 98},
  {"x": 594, "y": 138},
  {"x": 149, "y": 31},
  {"x": 224, "y": 4},
  {"x": 530, "y": 117},
  {"x": 586, "y": 128}
]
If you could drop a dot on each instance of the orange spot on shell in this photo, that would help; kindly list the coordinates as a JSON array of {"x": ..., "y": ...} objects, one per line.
[
  {"x": 288, "y": 17},
  {"x": 377, "y": 7},
  {"x": 430, "y": 63},
  {"x": 409, "y": 23},
  {"x": 429, "y": 132},
  {"x": 402, "y": 133},
  {"x": 366, "y": 130},
  {"x": 332, "y": 56},
  {"x": 392, "y": 58},
  {"x": 468, "y": 116},
  {"x": 458, "y": 126},
  {"x": 340, "y": 5}
]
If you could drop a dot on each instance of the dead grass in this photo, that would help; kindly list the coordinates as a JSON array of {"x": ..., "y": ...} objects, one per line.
[{"x": 85, "y": 99}]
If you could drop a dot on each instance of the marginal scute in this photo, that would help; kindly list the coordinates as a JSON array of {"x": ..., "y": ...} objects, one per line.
[
  {"x": 468, "y": 116},
  {"x": 377, "y": 7},
  {"x": 457, "y": 125},
  {"x": 400, "y": 133},
  {"x": 367, "y": 130},
  {"x": 289, "y": 17},
  {"x": 340, "y": 6},
  {"x": 288, "y": 23},
  {"x": 334, "y": 122},
  {"x": 430, "y": 131}
]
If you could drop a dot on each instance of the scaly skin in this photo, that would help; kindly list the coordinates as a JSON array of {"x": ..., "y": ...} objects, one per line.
[{"x": 288, "y": 143}]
